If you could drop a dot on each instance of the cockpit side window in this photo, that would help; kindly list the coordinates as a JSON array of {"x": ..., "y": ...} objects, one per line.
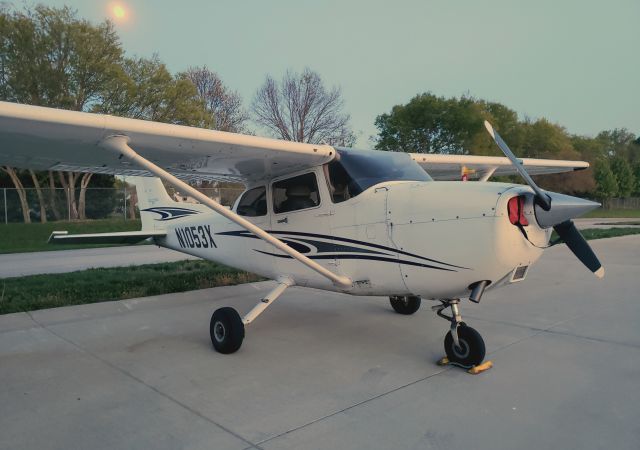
[
  {"x": 295, "y": 193},
  {"x": 253, "y": 203},
  {"x": 341, "y": 184}
]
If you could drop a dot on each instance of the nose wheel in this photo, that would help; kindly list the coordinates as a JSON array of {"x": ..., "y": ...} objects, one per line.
[
  {"x": 470, "y": 350},
  {"x": 463, "y": 345}
]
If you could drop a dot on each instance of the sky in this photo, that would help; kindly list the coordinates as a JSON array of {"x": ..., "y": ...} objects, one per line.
[{"x": 575, "y": 62}]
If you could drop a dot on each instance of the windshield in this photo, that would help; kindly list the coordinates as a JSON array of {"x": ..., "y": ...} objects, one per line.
[{"x": 354, "y": 171}]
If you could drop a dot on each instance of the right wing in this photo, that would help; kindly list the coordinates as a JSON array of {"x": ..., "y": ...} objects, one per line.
[{"x": 452, "y": 167}]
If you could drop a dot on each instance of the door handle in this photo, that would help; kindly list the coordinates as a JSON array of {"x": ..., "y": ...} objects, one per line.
[{"x": 285, "y": 220}]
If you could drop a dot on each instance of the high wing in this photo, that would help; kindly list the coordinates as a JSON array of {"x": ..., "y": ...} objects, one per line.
[
  {"x": 52, "y": 139},
  {"x": 452, "y": 167}
]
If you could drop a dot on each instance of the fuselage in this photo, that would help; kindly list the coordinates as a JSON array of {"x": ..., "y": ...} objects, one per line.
[{"x": 432, "y": 239}]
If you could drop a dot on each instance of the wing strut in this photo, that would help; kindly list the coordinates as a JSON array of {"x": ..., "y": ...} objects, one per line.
[
  {"x": 120, "y": 144},
  {"x": 487, "y": 173}
]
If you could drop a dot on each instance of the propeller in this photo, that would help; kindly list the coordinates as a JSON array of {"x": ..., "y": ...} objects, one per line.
[{"x": 556, "y": 210}]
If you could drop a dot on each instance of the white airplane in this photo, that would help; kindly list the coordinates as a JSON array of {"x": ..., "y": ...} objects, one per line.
[{"x": 352, "y": 221}]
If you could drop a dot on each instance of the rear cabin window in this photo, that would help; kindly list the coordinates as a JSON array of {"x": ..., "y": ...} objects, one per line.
[
  {"x": 253, "y": 203},
  {"x": 295, "y": 193}
]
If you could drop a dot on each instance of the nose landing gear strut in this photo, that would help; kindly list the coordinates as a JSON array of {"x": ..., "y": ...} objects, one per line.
[{"x": 462, "y": 344}]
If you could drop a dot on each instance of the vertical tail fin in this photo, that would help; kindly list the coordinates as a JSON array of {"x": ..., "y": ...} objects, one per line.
[
  {"x": 151, "y": 194},
  {"x": 156, "y": 207}
]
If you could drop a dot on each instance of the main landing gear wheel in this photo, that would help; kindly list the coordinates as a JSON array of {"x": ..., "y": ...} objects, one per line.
[
  {"x": 226, "y": 330},
  {"x": 405, "y": 304},
  {"x": 471, "y": 350}
]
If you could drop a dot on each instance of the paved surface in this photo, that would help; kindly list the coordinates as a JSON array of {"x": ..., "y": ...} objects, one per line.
[
  {"x": 327, "y": 371},
  {"x": 19, "y": 264}
]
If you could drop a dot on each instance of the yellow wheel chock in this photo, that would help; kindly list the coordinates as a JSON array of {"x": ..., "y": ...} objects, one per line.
[{"x": 475, "y": 370}]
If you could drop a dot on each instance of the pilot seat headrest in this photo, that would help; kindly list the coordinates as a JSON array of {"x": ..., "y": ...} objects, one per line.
[{"x": 298, "y": 191}]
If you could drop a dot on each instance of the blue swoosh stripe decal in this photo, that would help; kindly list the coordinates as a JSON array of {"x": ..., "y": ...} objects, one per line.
[
  {"x": 366, "y": 257},
  {"x": 327, "y": 247},
  {"x": 171, "y": 213}
]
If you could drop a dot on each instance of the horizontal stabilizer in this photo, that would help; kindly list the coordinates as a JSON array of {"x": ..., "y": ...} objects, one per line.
[{"x": 124, "y": 237}]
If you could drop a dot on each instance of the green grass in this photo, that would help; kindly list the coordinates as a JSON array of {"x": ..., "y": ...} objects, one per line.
[
  {"x": 99, "y": 285},
  {"x": 32, "y": 237},
  {"x": 603, "y": 233},
  {"x": 613, "y": 213}
]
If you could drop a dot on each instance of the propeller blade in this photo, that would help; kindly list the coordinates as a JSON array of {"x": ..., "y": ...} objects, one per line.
[
  {"x": 543, "y": 199},
  {"x": 578, "y": 245}
]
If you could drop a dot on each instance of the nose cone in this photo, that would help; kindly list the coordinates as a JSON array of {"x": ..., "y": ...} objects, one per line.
[{"x": 563, "y": 208}]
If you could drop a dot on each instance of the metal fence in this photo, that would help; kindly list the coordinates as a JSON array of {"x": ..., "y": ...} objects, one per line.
[
  {"x": 622, "y": 203},
  {"x": 98, "y": 203}
]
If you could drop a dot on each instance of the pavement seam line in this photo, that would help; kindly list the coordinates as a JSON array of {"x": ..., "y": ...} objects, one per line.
[
  {"x": 148, "y": 386},
  {"x": 589, "y": 338},
  {"x": 538, "y": 332},
  {"x": 26, "y": 313},
  {"x": 550, "y": 330},
  {"x": 355, "y": 405}
]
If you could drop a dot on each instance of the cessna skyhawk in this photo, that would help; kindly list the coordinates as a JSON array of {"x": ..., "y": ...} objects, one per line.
[{"x": 352, "y": 221}]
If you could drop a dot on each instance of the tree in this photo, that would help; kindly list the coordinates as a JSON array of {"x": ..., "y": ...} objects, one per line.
[
  {"x": 432, "y": 124},
  {"x": 55, "y": 59},
  {"x": 606, "y": 183},
  {"x": 617, "y": 142},
  {"x": 22, "y": 193},
  {"x": 224, "y": 107},
  {"x": 300, "y": 108},
  {"x": 146, "y": 90},
  {"x": 52, "y": 58},
  {"x": 429, "y": 124},
  {"x": 624, "y": 176},
  {"x": 543, "y": 139},
  {"x": 636, "y": 176}
]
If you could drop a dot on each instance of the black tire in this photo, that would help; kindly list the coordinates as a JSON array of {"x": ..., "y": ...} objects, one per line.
[
  {"x": 406, "y": 305},
  {"x": 472, "y": 349},
  {"x": 226, "y": 330}
]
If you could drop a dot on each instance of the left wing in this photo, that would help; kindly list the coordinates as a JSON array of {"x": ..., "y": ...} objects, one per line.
[
  {"x": 33, "y": 137},
  {"x": 453, "y": 167}
]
